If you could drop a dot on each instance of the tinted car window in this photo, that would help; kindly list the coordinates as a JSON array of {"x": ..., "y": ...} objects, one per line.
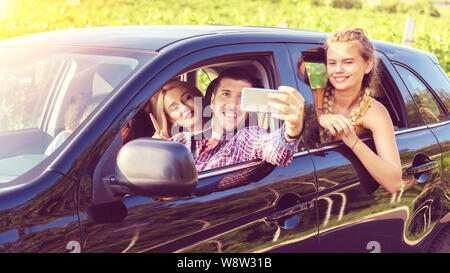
[
  {"x": 23, "y": 90},
  {"x": 315, "y": 75},
  {"x": 50, "y": 92},
  {"x": 201, "y": 77},
  {"x": 441, "y": 85},
  {"x": 427, "y": 104}
]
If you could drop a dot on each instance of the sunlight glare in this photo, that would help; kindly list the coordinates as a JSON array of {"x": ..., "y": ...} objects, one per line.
[{"x": 3, "y": 8}]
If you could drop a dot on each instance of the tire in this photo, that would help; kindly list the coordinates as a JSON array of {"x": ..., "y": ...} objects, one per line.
[{"x": 441, "y": 244}]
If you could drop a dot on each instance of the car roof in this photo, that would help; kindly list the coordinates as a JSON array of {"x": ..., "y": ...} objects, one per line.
[
  {"x": 152, "y": 38},
  {"x": 156, "y": 38}
]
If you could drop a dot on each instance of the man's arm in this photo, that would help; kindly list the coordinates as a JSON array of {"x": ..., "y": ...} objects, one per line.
[
  {"x": 290, "y": 105},
  {"x": 255, "y": 143}
]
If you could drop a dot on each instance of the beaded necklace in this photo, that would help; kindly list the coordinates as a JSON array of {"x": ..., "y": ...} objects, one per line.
[{"x": 355, "y": 114}]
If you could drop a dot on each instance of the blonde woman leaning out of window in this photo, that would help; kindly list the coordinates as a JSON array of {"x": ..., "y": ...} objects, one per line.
[{"x": 347, "y": 110}]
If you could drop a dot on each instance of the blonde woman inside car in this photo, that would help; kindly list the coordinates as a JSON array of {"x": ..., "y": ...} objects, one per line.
[
  {"x": 178, "y": 107},
  {"x": 175, "y": 108}
]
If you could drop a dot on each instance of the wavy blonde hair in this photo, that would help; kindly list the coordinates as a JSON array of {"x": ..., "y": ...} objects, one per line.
[{"x": 368, "y": 52}]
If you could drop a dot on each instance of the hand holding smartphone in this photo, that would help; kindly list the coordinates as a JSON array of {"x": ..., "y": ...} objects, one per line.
[{"x": 286, "y": 103}]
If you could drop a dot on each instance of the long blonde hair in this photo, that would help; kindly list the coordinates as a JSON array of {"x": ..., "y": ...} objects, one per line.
[{"x": 368, "y": 52}]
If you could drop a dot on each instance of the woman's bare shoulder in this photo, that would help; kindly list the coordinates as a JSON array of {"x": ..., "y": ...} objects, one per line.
[{"x": 376, "y": 115}]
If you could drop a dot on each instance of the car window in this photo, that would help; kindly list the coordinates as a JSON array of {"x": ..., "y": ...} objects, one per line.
[
  {"x": 445, "y": 96},
  {"x": 57, "y": 83},
  {"x": 315, "y": 74},
  {"x": 23, "y": 91},
  {"x": 199, "y": 78},
  {"x": 428, "y": 107},
  {"x": 45, "y": 95},
  {"x": 437, "y": 80},
  {"x": 203, "y": 78},
  {"x": 441, "y": 84}
]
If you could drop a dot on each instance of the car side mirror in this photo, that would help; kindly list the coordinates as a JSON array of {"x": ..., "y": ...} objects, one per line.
[{"x": 154, "y": 168}]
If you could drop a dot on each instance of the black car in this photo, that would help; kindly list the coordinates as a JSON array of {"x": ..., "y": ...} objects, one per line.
[{"x": 76, "y": 187}]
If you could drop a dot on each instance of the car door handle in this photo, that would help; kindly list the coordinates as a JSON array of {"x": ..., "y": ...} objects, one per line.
[
  {"x": 422, "y": 168},
  {"x": 291, "y": 210}
]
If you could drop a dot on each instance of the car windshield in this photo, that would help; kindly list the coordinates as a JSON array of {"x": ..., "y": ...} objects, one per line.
[{"x": 46, "y": 93}]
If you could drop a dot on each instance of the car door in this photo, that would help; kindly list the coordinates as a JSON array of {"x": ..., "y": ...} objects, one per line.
[
  {"x": 267, "y": 207},
  {"x": 431, "y": 105},
  {"x": 431, "y": 86},
  {"x": 355, "y": 213}
]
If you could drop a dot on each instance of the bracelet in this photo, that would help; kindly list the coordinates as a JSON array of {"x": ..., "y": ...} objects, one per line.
[
  {"x": 289, "y": 138},
  {"x": 299, "y": 134},
  {"x": 357, "y": 139}
]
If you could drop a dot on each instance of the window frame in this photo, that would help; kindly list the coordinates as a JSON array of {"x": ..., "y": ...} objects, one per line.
[
  {"x": 235, "y": 52},
  {"x": 430, "y": 90},
  {"x": 387, "y": 82},
  {"x": 267, "y": 62}
]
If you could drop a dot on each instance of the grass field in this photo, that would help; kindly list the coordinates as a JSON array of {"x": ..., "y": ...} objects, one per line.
[{"x": 432, "y": 34}]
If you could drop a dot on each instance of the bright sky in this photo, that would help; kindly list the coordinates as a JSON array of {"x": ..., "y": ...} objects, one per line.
[{"x": 3, "y": 8}]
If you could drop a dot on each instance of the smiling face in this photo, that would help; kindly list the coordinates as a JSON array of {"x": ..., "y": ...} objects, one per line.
[
  {"x": 345, "y": 66},
  {"x": 180, "y": 106},
  {"x": 226, "y": 104}
]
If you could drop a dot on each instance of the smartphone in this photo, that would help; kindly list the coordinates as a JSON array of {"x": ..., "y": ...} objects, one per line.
[{"x": 256, "y": 99}]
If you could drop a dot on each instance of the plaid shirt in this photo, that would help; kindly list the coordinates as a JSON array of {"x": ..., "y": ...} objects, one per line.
[{"x": 249, "y": 143}]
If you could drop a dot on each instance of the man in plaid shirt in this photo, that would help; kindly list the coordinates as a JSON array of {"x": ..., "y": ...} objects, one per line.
[
  {"x": 249, "y": 143},
  {"x": 225, "y": 147}
]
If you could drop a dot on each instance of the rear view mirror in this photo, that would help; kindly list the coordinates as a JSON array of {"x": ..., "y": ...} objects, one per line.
[{"x": 154, "y": 167}]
